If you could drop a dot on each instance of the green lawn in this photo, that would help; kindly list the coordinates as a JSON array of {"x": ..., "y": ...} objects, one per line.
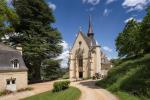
[
  {"x": 126, "y": 96},
  {"x": 69, "y": 94},
  {"x": 132, "y": 76}
]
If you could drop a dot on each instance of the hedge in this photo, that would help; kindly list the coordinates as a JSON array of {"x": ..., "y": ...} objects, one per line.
[{"x": 61, "y": 85}]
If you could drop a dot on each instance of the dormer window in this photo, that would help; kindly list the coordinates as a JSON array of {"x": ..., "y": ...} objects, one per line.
[{"x": 15, "y": 63}]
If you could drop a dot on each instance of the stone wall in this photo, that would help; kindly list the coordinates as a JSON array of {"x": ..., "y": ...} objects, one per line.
[{"x": 21, "y": 79}]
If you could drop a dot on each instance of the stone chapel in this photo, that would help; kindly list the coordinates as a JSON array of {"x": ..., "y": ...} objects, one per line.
[{"x": 86, "y": 57}]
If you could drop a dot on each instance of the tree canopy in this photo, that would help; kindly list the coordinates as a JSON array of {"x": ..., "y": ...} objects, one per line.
[
  {"x": 34, "y": 32},
  {"x": 135, "y": 38},
  {"x": 8, "y": 17}
]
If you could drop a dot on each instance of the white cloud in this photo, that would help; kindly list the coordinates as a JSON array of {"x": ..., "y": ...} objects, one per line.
[
  {"x": 110, "y": 1},
  {"x": 52, "y": 6},
  {"x": 106, "y": 12},
  {"x": 106, "y": 48},
  {"x": 132, "y": 18},
  {"x": 92, "y": 2},
  {"x": 133, "y": 5},
  {"x": 127, "y": 20},
  {"x": 65, "y": 54},
  {"x": 65, "y": 45}
]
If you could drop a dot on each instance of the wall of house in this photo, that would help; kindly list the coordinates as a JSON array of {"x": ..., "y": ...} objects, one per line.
[{"x": 21, "y": 79}]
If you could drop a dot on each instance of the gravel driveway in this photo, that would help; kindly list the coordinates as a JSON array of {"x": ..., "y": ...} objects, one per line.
[
  {"x": 87, "y": 87},
  {"x": 37, "y": 88},
  {"x": 92, "y": 92}
]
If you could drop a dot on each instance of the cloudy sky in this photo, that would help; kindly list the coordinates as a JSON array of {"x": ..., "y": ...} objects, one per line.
[{"x": 108, "y": 17}]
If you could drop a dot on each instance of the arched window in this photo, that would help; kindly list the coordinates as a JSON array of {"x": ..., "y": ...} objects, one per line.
[
  {"x": 80, "y": 44},
  {"x": 15, "y": 63},
  {"x": 80, "y": 62}
]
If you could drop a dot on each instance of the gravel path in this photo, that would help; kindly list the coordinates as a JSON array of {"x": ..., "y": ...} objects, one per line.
[
  {"x": 88, "y": 89},
  {"x": 37, "y": 88},
  {"x": 92, "y": 92}
]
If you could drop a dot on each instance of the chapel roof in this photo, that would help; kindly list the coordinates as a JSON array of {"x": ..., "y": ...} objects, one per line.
[{"x": 89, "y": 41}]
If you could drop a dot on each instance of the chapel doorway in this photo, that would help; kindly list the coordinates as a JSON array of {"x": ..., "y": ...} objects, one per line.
[{"x": 80, "y": 74}]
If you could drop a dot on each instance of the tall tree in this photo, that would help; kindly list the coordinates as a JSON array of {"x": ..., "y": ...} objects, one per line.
[
  {"x": 127, "y": 42},
  {"x": 145, "y": 32},
  {"x": 36, "y": 35},
  {"x": 8, "y": 17}
]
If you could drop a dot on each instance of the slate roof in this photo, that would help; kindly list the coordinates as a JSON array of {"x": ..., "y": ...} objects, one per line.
[
  {"x": 7, "y": 54},
  {"x": 90, "y": 41}
]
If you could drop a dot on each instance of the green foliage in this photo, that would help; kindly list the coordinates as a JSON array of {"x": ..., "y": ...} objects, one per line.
[
  {"x": 127, "y": 42},
  {"x": 131, "y": 76},
  {"x": 135, "y": 38},
  {"x": 25, "y": 89},
  {"x": 51, "y": 70},
  {"x": 39, "y": 40},
  {"x": 145, "y": 32},
  {"x": 126, "y": 96},
  {"x": 61, "y": 85},
  {"x": 65, "y": 75},
  {"x": 71, "y": 93},
  {"x": 8, "y": 17},
  {"x": 5, "y": 92}
]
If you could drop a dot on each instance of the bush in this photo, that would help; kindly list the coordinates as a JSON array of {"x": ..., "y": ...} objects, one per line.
[
  {"x": 61, "y": 85},
  {"x": 5, "y": 92},
  {"x": 25, "y": 89}
]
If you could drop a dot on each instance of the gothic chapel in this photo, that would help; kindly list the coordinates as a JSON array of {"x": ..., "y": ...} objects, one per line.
[{"x": 86, "y": 57}]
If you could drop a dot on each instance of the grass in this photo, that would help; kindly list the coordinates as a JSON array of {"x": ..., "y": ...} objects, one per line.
[
  {"x": 71, "y": 93},
  {"x": 126, "y": 96},
  {"x": 66, "y": 76},
  {"x": 131, "y": 76}
]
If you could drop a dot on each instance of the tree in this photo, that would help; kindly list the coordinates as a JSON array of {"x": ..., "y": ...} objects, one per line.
[
  {"x": 51, "y": 70},
  {"x": 127, "y": 42},
  {"x": 35, "y": 34},
  {"x": 8, "y": 17},
  {"x": 145, "y": 32}
]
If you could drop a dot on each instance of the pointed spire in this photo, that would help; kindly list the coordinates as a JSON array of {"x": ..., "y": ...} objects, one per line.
[{"x": 90, "y": 29}]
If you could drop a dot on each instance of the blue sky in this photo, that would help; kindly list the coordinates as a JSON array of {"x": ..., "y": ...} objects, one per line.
[{"x": 108, "y": 18}]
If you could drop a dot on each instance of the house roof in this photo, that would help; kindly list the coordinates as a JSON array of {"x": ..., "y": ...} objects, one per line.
[
  {"x": 6, "y": 48},
  {"x": 7, "y": 55}
]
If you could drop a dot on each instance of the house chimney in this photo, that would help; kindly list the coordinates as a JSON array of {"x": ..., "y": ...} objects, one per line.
[{"x": 19, "y": 48}]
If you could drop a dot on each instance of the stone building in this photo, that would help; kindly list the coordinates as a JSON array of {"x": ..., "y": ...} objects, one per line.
[
  {"x": 86, "y": 57},
  {"x": 13, "y": 72}
]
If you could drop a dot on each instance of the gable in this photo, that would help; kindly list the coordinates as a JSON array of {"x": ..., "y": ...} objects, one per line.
[{"x": 84, "y": 45}]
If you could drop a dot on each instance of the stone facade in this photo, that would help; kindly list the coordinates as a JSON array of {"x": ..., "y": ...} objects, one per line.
[
  {"x": 13, "y": 71},
  {"x": 86, "y": 57},
  {"x": 21, "y": 79}
]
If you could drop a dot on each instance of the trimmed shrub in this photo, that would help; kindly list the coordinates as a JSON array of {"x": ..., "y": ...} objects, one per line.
[{"x": 61, "y": 85}]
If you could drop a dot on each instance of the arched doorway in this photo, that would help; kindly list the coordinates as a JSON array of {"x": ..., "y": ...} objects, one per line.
[{"x": 80, "y": 64}]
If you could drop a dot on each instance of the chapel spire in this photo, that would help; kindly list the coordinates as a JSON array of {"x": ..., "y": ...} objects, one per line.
[{"x": 90, "y": 29}]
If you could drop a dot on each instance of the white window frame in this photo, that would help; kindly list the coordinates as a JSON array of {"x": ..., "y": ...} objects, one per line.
[{"x": 13, "y": 63}]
